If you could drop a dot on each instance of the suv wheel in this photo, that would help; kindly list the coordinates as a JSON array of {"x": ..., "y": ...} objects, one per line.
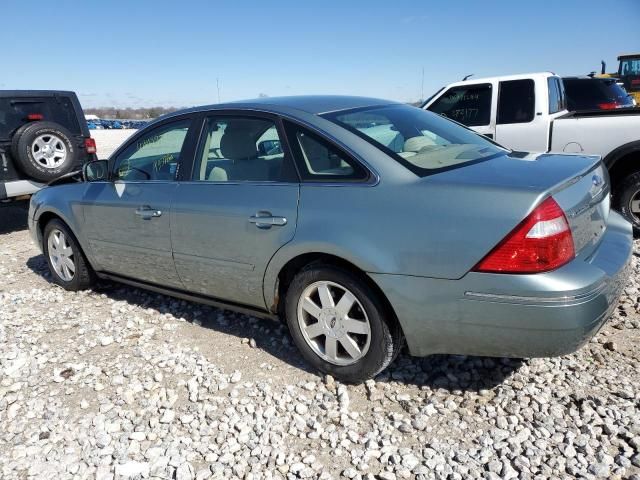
[
  {"x": 339, "y": 324},
  {"x": 67, "y": 263},
  {"x": 44, "y": 151},
  {"x": 627, "y": 200}
]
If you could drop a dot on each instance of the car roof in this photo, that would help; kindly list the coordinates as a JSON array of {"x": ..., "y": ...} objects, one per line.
[
  {"x": 34, "y": 93},
  {"x": 595, "y": 79},
  {"x": 519, "y": 76},
  {"x": 313, "y": 104}
]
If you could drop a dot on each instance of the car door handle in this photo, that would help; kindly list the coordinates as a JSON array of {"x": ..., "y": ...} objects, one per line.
[
  {"x": 148, "y": 213},
  {"x": 266, "y": 220}
]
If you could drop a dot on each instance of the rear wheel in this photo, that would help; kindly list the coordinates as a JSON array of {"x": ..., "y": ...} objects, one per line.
[
  {"x": 67, "y": 263},
  {"x": 339, "y": 324},
  {"x": 627, "y": 200}
]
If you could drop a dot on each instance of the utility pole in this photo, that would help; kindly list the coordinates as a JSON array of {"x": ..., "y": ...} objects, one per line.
[
  {"x": 218, "y": 88},
  {"x": 422, "y": 86}
]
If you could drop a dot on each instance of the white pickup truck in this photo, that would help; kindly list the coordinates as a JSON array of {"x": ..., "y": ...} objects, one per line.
[{"x": 528, "y": 113}]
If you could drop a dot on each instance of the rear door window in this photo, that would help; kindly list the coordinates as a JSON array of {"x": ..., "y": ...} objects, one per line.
[
  {"x": 516, "y": 101},
  {"x": 14, "y": 113},
  {"x": 242, "y": 149},
  {"x": 468, "y": 104},
  {"x": 555, "y": 95}
]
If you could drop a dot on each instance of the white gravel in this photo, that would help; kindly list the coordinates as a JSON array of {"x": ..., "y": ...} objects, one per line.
[
  {"x": 123, "y": 383},
  {"x": 108, "y": 140}
]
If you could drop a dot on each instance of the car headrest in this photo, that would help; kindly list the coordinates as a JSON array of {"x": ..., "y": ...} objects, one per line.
[
  {"x": 415, "y": 144},
  {"x": 236, "y": 143}
]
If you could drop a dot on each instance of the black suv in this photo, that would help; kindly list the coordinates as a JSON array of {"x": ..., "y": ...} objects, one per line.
[
  {"x": 593, "y": 93},
  {"x": 43, "y": 135}
]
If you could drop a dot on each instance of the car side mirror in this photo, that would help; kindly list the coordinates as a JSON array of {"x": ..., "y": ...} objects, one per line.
[{"x": 96, "y": 171}]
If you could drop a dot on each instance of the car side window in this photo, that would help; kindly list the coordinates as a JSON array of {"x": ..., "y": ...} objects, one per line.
[
  {"x": 516, "y": 101},
  {"x": 241, "y": 149},
  {"x": 468, "y": 104},
  {"x": 153, "y": 156},
  {"x": 320, "y": 161}
]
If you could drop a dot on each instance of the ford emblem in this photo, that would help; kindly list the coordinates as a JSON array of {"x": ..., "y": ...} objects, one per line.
[{"x": 597, "y": 180}]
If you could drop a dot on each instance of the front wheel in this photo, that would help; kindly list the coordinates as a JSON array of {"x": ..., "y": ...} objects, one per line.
[
  {"x": 339, "y": 324},
  {"x": 627, "y": 199},
  {"x": 67, "y": 263}
]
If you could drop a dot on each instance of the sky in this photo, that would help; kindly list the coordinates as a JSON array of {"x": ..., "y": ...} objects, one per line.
[{"x": 182, "y": 53}]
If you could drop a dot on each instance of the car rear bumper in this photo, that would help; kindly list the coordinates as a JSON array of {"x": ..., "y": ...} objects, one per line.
[
  {"x": 18, "y": 188},
  {"x": 540, "y": 315}
]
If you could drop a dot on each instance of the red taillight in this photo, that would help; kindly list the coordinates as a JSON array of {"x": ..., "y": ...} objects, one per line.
[
  {"x": 540, "y": 243},
  {"x": 35, "y": 116},
  {"x": 608, "y": 106},
  {"x": 90, "y": 145}
]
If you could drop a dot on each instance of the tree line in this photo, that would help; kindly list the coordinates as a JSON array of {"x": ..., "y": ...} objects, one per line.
[
  {"x": 129, "y": 113},
  {"x": 148, "y": 112}
]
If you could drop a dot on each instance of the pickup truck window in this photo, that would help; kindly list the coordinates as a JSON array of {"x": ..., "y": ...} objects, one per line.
[
  {"x": 516, "y": 101},
  {"x": 556, "y": 102},
  {"x": 468, "y": 104}
]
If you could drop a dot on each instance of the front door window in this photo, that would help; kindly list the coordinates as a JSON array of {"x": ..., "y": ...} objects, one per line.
[{"x": 154, "y": 156}]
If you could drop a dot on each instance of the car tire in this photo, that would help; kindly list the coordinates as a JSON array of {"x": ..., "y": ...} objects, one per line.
[
  {"x": 81, "y": 276},
  {"x": 44, "y": 151},
  {"x": 326, "y": 351},
  {"x": 627, "y": 199}
]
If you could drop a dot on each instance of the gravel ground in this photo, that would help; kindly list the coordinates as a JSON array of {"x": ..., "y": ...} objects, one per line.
[
  {"x": 108, "y": 140},
  {"x": 122, "y": 383}
]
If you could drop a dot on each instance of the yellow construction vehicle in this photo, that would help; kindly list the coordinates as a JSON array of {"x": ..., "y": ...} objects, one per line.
[{"x": 628, "y": 73}]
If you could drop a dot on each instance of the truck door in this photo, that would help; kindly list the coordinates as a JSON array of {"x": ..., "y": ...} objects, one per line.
[
  {"x": 524, "y": 120},
  {"x": 468, "y": 104}
]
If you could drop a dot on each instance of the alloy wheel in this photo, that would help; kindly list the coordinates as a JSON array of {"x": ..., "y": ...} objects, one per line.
[
  {"x": 49, "y": 150},
  {"x": 634, "y": 206},
  {"x": 334, "y": 323},
  {"x": 61, "y": 255}
]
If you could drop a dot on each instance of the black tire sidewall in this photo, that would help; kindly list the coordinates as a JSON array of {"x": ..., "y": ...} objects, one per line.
[
  {"x": 24, "y": 156},
  {"x": 16, "y": 138},
  {"x": 381, "y": 347},
  {"x": 76, "y": 282},
  {"x": 629, "y": 187}
]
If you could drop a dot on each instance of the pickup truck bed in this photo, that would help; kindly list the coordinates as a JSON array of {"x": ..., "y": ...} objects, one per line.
[{"x": 598, "y": 132}]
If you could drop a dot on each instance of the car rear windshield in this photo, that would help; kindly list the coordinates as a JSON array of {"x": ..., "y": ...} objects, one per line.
[
  {"x": 14, "y": 113},
  {"x": 422, "y": 141},
  {"x": 590, "y": 93}
]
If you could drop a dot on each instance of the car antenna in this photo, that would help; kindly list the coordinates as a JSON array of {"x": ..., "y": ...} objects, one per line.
[{"x": 470, "y": 75}]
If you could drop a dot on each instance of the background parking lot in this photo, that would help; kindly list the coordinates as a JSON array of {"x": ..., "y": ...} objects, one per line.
[{"x": 126, "y": 381}]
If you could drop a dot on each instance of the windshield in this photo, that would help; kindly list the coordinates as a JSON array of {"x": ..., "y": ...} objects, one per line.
[
  {"x": 422, "y": 141},
  {"x": 630, "y": 73},
  {"x": 630, "y": 66}
]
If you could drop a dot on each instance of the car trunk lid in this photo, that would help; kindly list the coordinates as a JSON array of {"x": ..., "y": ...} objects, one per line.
[
  {"x": 586, "y": 202},
  {"x": 517, "y": 184}
]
